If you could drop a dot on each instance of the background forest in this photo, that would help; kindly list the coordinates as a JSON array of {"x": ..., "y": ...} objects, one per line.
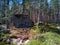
[{"x": 45, "y": 15}]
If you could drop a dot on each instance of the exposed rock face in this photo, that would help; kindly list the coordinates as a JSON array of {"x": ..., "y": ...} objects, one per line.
[
  {"x": 18, "y": 41},
  {"x": 58, "y": 27},
  {"x": 22, "y": 21}
]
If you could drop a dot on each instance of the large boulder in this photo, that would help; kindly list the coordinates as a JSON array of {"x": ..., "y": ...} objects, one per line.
[{"x": 22, "y": 21}]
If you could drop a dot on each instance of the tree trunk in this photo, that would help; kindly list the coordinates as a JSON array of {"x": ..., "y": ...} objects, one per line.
[{"x": 23, "y": 7}]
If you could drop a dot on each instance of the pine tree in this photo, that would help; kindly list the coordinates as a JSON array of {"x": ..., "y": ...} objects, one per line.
[{"x": 55, "y": 7}]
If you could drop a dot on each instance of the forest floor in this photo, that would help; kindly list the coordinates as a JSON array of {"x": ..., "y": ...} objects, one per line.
[{"x": 24, "y": 35}]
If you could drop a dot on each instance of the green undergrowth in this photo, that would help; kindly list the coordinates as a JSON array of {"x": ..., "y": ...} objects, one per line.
[
  {"x": 3, "y": 38},
  {"x": 47, "y": 38},
  {"x": 46, "y": 34}
]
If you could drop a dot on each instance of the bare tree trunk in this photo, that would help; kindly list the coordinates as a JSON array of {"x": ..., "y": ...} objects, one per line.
[{"x": 24, "y": 7}]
